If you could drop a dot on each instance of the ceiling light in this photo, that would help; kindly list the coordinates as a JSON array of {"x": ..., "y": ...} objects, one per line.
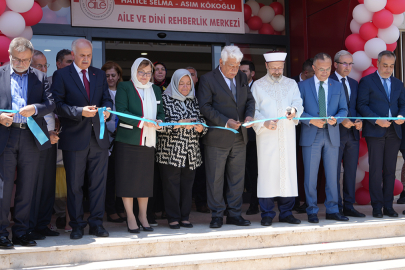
[
  {"x": 47, "y": 50},
  {"x": 144, "y": 53}
]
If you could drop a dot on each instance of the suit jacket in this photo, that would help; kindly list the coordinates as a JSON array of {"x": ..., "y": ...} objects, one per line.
[
  {"x": 354, "y": 85},
  {"x": 218, "y": 105},
  {"x": 250, "y": 131},
  {"x": 337, "y": 106},
  {"x": 128, "y": 101},
  {"x": 70, "y": 98},
  {"x": 38, "y": 94},
  {"x": 372, "y": 101}
]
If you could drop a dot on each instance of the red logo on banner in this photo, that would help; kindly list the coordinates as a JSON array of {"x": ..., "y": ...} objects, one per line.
[{"x": 97, "y": 9}]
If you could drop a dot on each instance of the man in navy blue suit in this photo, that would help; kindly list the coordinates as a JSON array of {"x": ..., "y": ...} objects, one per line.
[
  {"x": 381, "y": 95},
  {"x": 78, "y": 90},
  {"x": 321, "y": 97},
  {"x": 349, "y": 135}
]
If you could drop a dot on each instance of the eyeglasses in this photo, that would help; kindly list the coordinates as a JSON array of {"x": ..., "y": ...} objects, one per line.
[
  {"x": 23, "y": 61},
  {"x": 141, "y": 73},
  {"x": 39, "y": 66},
  {"x": 346, "y": 64},
  {"x": 323, "y": 70},
  {"x": 276, "y": 69}
]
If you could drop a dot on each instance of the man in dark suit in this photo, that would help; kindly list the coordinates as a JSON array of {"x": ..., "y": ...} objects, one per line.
[
  {"x": 381, "y": 95},
  {"x": 226, "y": 101},
  {"x": 349, "y": 135},
  {"x": 322, "y": 97},
  {"x": 78, "y": 90},
  {"x": 26, "y": 90},
  {"x": 307, "y": 71}
]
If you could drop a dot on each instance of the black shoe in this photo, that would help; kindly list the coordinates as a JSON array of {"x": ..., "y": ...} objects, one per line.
[
  {"x": 175, "y": 226},
  {"x": 132, "y": 231},
  {"x": 117, "y": 220},
  {"x": 216, "y": 222},
  {"x": 98, "y": 231},
  {"x": 313, "y": 218},
  {"x": 301, "y": 209},
  {"x": 337, "y": 217},
  {"x": 377, "y": 213},
  {"x": 35, "y": 236},
  {"x": 5, "y": 243},
  {"x": 238, "y": 221},
  {"x": 24, "y": 240},
  {"x": 61, "y": 222},
  {"x": 266, "y": 221},
  {"x": 186, "y": 225},
  {"x": 401, "y": 199},
  {"x": 152, "y": 222},
  {"x": 203, "y": 209},
  {"x": 253, "y": 210},
  {"x": 48, "y": 232},
  {"x": 146, "y": 229},
  {"x": 352, "y": 213},
  {"x": 290, "y": 219},
  {"x": 390, "y": 212},
  {"x": 77, "y": 233}
]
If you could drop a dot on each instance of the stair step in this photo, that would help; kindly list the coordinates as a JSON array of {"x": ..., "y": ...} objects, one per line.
[{"x": 380, "y": 265}]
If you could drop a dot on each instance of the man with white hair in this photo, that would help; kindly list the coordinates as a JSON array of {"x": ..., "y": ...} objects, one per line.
[
  {"x": 79, "y": 90},
  {"x": 226, "y": 101}
]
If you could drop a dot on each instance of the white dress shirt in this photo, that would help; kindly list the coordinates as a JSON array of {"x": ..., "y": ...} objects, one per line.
[
  {"x": 349, "y": 91},
  {"x": 79, "y": 71},
  {"x": 325, "y": 87}
]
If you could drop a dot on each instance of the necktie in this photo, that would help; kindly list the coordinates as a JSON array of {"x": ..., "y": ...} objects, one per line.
[
  {"x": 86, "y": 83},
  {"x": 321, "y": 101},
  {"x": 233, "y": 88},
  {"x": 346, "y": 93},
  {"x": 387, "y": 91}
]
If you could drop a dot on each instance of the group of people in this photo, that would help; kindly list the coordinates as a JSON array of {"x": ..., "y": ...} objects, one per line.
[{"x": 137, "y": 148}]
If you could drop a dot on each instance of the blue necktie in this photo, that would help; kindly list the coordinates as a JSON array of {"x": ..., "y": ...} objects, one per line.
[{"x": 387, "y": 91}]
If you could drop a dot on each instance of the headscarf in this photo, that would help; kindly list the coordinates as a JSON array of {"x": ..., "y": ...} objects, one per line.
[
  {"x": 173, "y": 88},
  {"x": 149, "y": 106},
  {"x": 160, "y": 84}
]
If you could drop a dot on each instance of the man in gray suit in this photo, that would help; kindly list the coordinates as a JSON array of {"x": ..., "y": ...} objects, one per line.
[{"x": 226, "y": 101}]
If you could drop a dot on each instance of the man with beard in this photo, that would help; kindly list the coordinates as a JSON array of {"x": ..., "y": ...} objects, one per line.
[{"x": 276, "y": 96}]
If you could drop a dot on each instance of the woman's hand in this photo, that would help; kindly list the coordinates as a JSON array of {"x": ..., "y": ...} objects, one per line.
[{"x": 199, "y": 128}]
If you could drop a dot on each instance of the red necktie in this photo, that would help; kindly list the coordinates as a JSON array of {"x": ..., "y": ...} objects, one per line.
[{"x": 86, "y": 83}]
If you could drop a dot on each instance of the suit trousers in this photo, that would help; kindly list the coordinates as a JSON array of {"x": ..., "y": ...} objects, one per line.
[
  {"x": 44, "y": 191},
  {"x": 21, "y": 152},
  {"x": 93, "y": 161},
  {"x": 113, "y": 204},
  {"x": 231, "y": 162},
  {"x": 251, "y": 171},
  {"x": 321, "y": 147},
  {"x": 200, "y": 186},
  {"x": 349, "y": 152},
  {"x": 382, "y": 156},
  {"x": 177, "y": 191},
  {"x": 285, "y": 206}
]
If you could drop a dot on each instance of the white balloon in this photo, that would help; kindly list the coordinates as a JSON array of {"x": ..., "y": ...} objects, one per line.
[
  {"x": 254, "y": 6},
  {"x": 398, "y": 19},
  {"x": 374, "y": 46},
  {"x": 389, "y": 35},
  {"x": 375, "y": 5},
  {"x": 361, "y": 61},
  {"x": 356, "y": 75},
  {"x": 12, "y": 24},
  {"x": 355, "y": 27},
  {"x": 20, "y": 6},
  {"x": 359, "y": 175},
  {"x": 278, "y": 23},
  {"x": 363, "y": 163},
  {"x": 246, "y": 28},
  {"x": 27, "y": 33},
  {"x": 361, "y": 14},
  {"x": 266, "y": 13}
]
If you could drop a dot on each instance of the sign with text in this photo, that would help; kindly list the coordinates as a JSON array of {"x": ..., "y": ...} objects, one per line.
[{"x": 222, "y": 16}]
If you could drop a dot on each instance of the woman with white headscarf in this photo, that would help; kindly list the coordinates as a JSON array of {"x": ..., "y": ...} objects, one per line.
[
  {"x": 178, "y": 148},
  {"x": 136, "y": 140}
]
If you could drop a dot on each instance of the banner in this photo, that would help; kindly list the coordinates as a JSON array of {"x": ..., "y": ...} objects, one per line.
[{"x": 222, "y": 16}]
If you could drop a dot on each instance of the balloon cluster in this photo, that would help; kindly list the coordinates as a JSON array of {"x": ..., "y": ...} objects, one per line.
[
  {"x": 16, "y": 19},
  {"x": 261, "y": 19},
  {"x": 374, "y": 29}
]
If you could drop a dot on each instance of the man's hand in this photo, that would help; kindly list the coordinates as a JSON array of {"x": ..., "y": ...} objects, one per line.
[
  {"x": 347, "y": 123},
  {"x": 318, "y": 122},
  {"x": 233, "y": 124},
  {"x": 107, "y": 114},
  {"x": 383, "y": 123},
  {"x": 149, "y": 124},
  {"x": 358, "y": 124},
  {"x": 271, "y": 124},
  {"x": 53, "y": 135},
  {"x": 27, "y": 111},
  {"x": 89, "y": 111},
  {"x": 291, "y": 115},
  {"x": 247, "y": 120},
  {"x": 399, "y": 122},
  {"x": 157, "y": 124},
  {"x": 332, "y": 121},
  {"x": 6, "y": 119}
]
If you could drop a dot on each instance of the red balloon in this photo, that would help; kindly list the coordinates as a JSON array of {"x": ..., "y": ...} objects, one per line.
[
  {"x": 266, "y": 29},
  {"x": 3, "y": 6},
  {"x": 392, "y": 47},
  {"x": 396, "y": 6},
  {"x": 4, "y": 44},
  {"x": 261, "y": 5},
  {"x": 277, "y": 33},
  {"x": 255, "y": 23},
  {"x": 363, "y": 147},
  {"x": 354, "y": 43},
  {"x": 369, "y": 71},
  {"x": 278, "y": 8},
  {"x": 368, "y": 31},
  {"x": 361, "y": 1},
  {"x": 33, "y": 16},
  {"x": 383, "y": 19},
  {"x": 398, "y": 187},
  {"x": 365, "y": 182},
  {"x": 362, "y": 196},
  {"x": 374, "y": 62},
  {"x": 247, "y": 12}
]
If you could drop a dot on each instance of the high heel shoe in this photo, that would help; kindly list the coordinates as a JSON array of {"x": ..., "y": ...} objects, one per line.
[
  {"x": 146, "y": 229},
  {"x": 132, "y": 231},
  {"x": 185, "y": 225}
]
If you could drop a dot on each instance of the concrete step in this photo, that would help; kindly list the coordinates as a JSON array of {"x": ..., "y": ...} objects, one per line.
[
  {"x": 288, "y": 257},
  {"x": 381, "y": 265}
]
